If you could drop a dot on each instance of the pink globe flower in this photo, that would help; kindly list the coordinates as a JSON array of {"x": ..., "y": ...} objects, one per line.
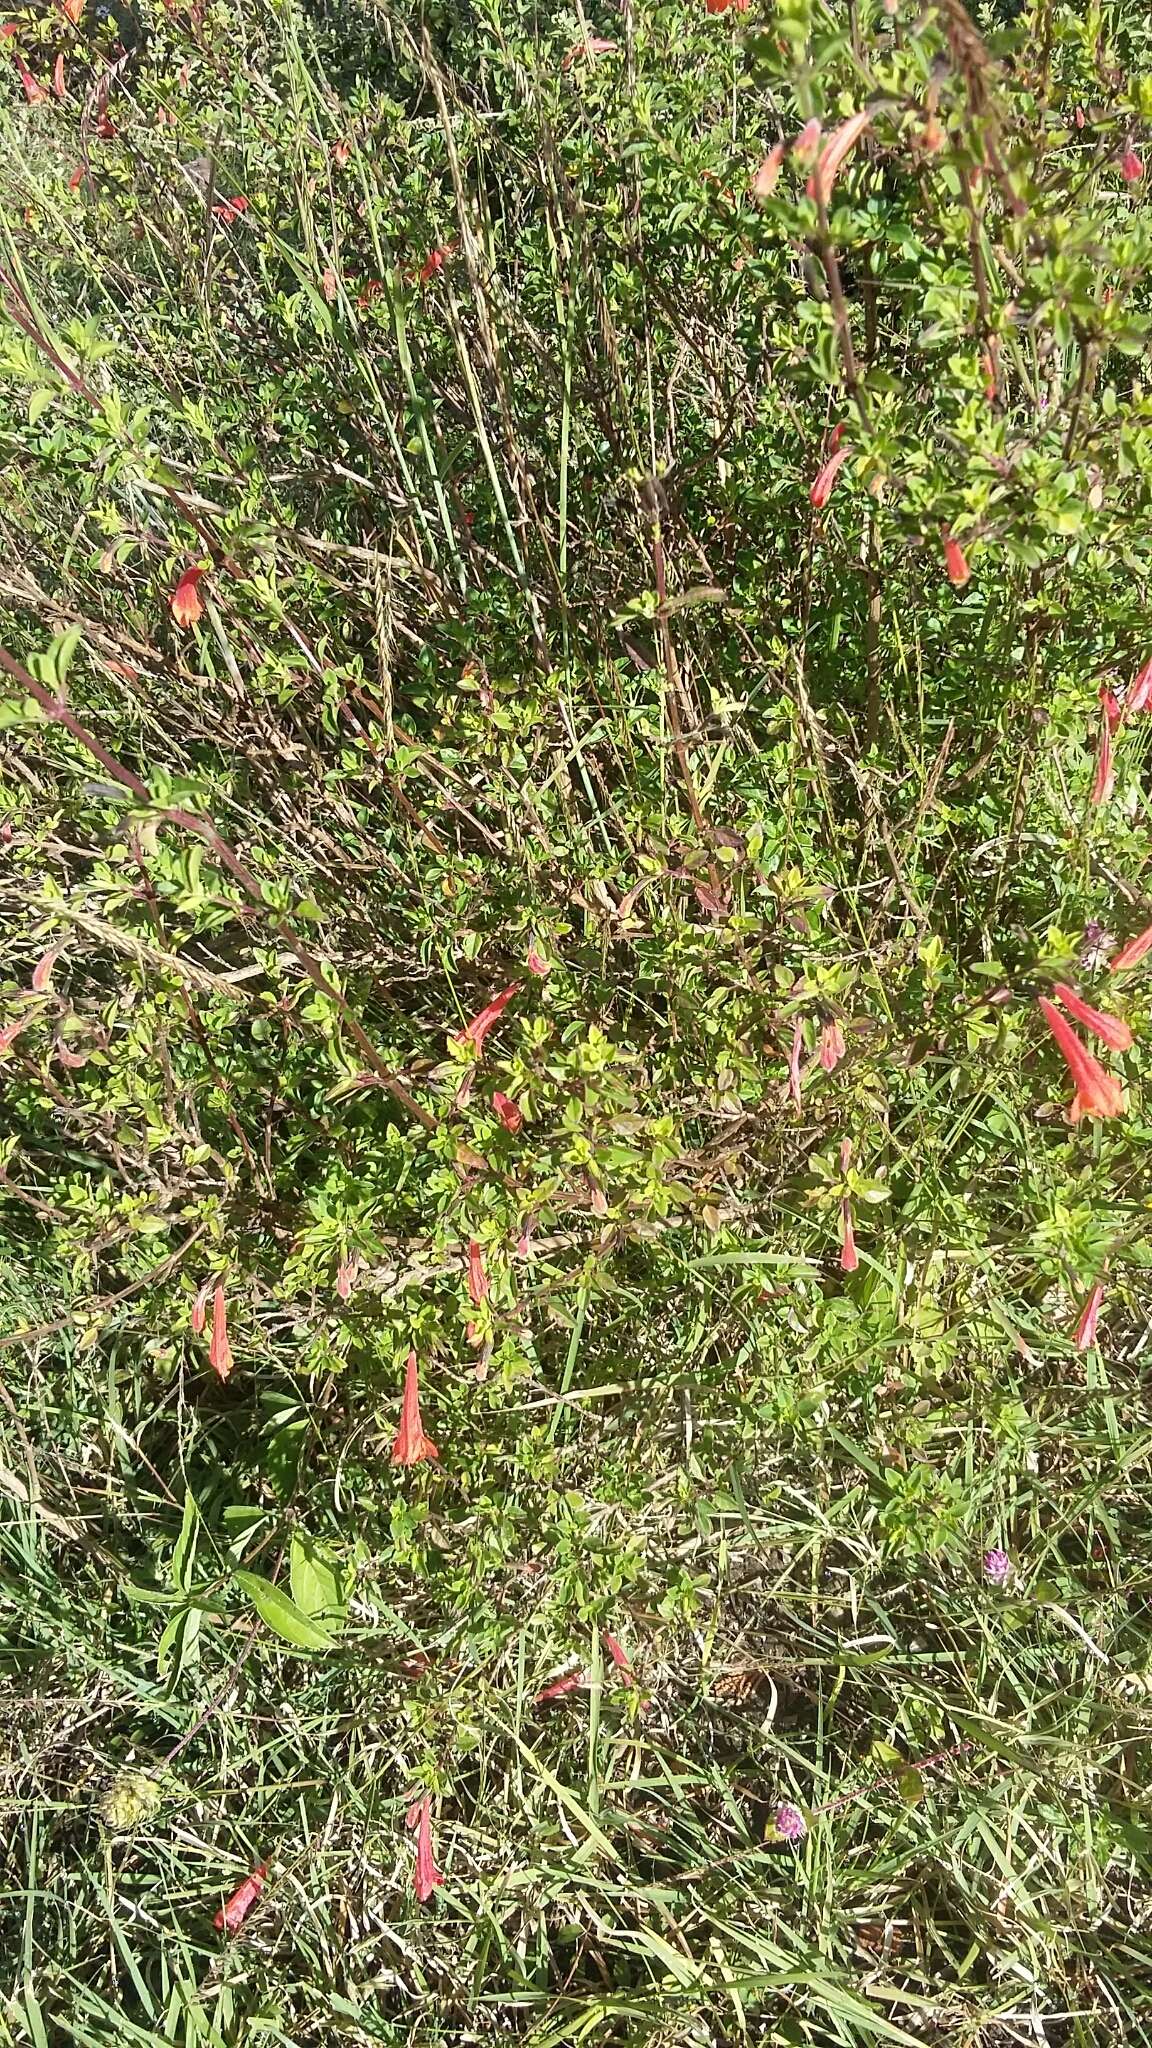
[
  {"x": 790, "y": 1823},
  {"x": 997, "y": 1566}
]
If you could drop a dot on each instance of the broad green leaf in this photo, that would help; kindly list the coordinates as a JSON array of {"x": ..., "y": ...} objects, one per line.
[
  {"x": 282, "y": 1615},
  {"x": 316, "y": 1587}
]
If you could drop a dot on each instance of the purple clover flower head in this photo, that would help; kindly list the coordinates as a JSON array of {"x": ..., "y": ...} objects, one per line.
[
  {"x": 997, "y": 1566},
  {"x": 790, "y": 1823}
]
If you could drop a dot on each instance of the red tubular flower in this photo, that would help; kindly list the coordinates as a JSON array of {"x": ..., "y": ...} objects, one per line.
[
  {"x": 42, "y": 972},
  {"x": 477, "y": 1277},
  {"x": 346, "y": 1275},
  {"x": 560, "y": 1686},
  {"x": 426, "y": 1876},
  {"x": 1134, "y": 951},
  {"x": 510, "y": 1113},
  {"x": 1104, "y": 780},
  {"x": 536, "y": 962},
  {"x": 229, "y": 210},
  {"x": 821, "y": 489},
  {"x": 33, "y": 90},
  {"x": 477, "y": 1031},
  {"x": 955, "y": 561},
  {"x": 832, "y": 155},
  {"x": 1111, "y": 706},
  {"x": 435, "y": 261},
  {"x": 849, "y": 1259},
  {"x": 1139, "y": 696},
  {"x": 1109, "y": 1030},
  {"x": 219, "y": 1349},
  {"x": 185, "y": 601},
  {"x": 765, "y": 178},
  {"x": 1089, "y": 1317},
  {"x": 411, "y": 1446},
  {"x": 1097, "y": 1093},
  {"x": 832, "y": 1046},
  {"x": 58, "y": 85},
  {"x": 1131, "y": 168},
  {"x": 235, "y": 1910},
  {"x": 77, "y": 178},
  {"x": 619, "y": 1658}
]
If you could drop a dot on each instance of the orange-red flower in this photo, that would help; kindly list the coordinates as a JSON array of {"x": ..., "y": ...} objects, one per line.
[
  {"x": 832, "y": 155},
  {"x": 77, "y": 178},
  {"x": 1097, "y": 1093},
  {"x": 1104, "y": 780},
  {"x": 235, "y": 1910},
  {"x": 186, "y": 602},
  {"x": 1134, "y": 951},
  {"x": 229, "y": 210},
  {"x": 33, "y": 90},
  {"x": 620, "y": 1658},
  {"x": 807, "y": 143},
  {"x": 1111, "y": 706},
  {"x": 435, "y": 261},
  {"x": 477, "y": 1277},
  {"x": 722, "y": 6},
  {"x": 560, "y": 1687},
  {"x": 1139, "y": 696},
  {"x": 73, "y": 10},
  {"x": 510, "y": 1113},
  {"x": 821, "y": 488},
  {"x": 765, "y": 179},
  {"x": 1131, "y": 167},
  {"x": 1109, "y": 1030},
  {"x": 1089, "y": 1317},
  {"x": 955, "y": 561},
  {"x": 58, "y": 85},
  {"x": 477, "y": 1031},
  {"x": 426, "y": 1876},
  {"x": 219, "y": 1349},
  {"x": 411, "y": 1446}
]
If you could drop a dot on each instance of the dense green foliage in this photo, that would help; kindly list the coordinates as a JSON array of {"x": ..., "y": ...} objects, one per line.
[{"x": 484, "y": 362}]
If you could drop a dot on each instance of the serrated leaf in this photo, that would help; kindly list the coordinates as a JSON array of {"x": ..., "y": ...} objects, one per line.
[{"x": 282, "y": 1615}]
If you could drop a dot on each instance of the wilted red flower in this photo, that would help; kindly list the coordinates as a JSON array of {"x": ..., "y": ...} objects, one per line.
[
  {"x": 561, "y": 1686},
  {"x": 1109, "y": 1030},
  {"x": 1097, "y": 1092},
  {"x": 58, "y": 85},
  {"x": 411, "y": 1446},
  {"x": 477, "y": 1031},
  {"x": 1104, "y": 780},
  {"x": 1131, "y": 168},
  {"x": 955, "y": 561},
  {"x": 426, "y": 1876},
  {"x": 1111, "y": 706},
  {"x": 807, "y": 142},
  {"x": 765, "y": 179},
  {"x": 510, "y": 1113},
  {"x": 219, "y": 1349},
  {"x": 1139, "y": 696},
  {"x": 185, "y": 601},
  {"x": 794, "y": 1062},
  {"x": 1089, "y": 1317},
  {"x": 832, "y": 1046},
  {"x": 235, "y": 1910},
  {"x": 1134, "y": 951},
  {"x": 821, "y": 489},
  {"x": 199, "y": 1307},
  {"x": 477, "y": 1277},
  {"x": 833, "y": 154},
  {"x": 42, "y": 972},
  {"x": 536, "y": 962}
]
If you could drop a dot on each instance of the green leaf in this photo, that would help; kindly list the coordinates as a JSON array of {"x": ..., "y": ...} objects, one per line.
[
  {"x": 316, "y": 1586},
  {"x": 185, "y": 1545},
  {"x": 39, "y": 402},
  {"x": 282, "y": 1615},
  {"x": 910, "y": 1786}
]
